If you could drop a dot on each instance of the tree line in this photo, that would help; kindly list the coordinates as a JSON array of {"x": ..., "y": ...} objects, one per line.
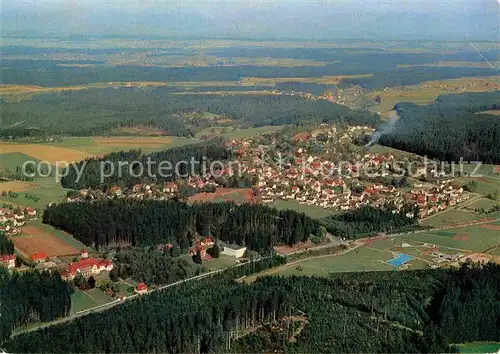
[
  {"x": 101, "y": 111},
  {"x": 152, "y": 266},
  {"x": 122, "y": 222},
  {"x": 123, "y": 172},
  {"x": 367, "y": 221},
  {"x": 31, "y": 296},
  {"x": 412, "y": 311},
  {"x": 6, "y": 245},
  {"x": 450, "y": 128}
]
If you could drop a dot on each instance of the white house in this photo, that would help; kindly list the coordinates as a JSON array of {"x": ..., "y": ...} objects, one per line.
[{"x": 234, "y": 250}]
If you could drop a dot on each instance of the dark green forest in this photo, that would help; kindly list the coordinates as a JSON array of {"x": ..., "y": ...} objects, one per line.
[
  {"x": 99, "y": 111},
  {"x": 368, "y": 221},
  {"x": 6, "y": 245},
  {"x": 153, "y": 266},
  {"x": 450, "y": 128},
  {"x": 31, "y": 296},
  {"x": 128, "y": 222},
  {"x": 339, "y": 62},
  {"x": 412, "y": 311}
]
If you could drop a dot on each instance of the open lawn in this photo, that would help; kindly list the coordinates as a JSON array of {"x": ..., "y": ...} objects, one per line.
[
  {"x": 451, "y": 217},
  {"x": 313, "y": 211},
  {"x": 81, "y": 301},
  {"x": 12, "y": 161},
  {"x": 479, "y": 347},
  {"x": 484, "y": 204},
  {"x": 361, "y": 259},
  {"x": 473, "y": 238},
  {"x": 46, "y": 194},
  {"x": 426, "y": 92},
  {"x": 483, "y": 185},
  {"x": 219, "y": 263}
]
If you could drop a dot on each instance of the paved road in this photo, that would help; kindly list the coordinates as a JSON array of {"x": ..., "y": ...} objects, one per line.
[{"x": 109, "y": 305}]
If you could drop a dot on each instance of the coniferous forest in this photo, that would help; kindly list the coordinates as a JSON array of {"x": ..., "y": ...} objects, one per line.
[
  {"x": 31, "y": 296},
  {"x": 150, "y": 222},
  {"x": 413, "y": 311},
  {"x": 450, "y": 128},
  {"x": 99, "y": 172}
]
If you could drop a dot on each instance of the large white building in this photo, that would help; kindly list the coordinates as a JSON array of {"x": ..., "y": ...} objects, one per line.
[{"x": 234, "y": 250}]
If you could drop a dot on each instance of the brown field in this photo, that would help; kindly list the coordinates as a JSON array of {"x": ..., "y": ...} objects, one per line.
[
  {"x": 152, "y": 141},
  {"x": 140, "y": 130},
  {"x": 52, "y": 154},
  {"x": 223, "y": 193},
  {"x": 33, "y": 239},
  {"x": 301, "y": 137},
  {"x": 491, "y": 227},
  {"x": 16, "y": 186},
  {"x": 493, "y": 112}
]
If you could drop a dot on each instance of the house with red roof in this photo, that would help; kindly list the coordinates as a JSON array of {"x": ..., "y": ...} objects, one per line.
[
  {"x": 87, "y": 267},
  {"x": 39, "y": 257},
  {"x": 8, "y": 260},
  {"x": 421, "y": 199},
  {"x": 141, "y": 288}
]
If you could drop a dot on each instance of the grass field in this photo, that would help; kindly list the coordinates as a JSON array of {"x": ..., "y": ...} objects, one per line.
[
  {"x": 219, "y": 263},
  {"x": 479, "y": 347},
  {"x": 46, "y": 194},
  {"x": 484, "y": 204},
  {"x": 483, "y": 185},
  {"x": 426, "y": 92},
  {"x": 451, "y": 217},
  {"x": 313, "y": 211}
]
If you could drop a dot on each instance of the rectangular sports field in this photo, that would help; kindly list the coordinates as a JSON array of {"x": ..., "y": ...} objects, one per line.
[{"x": 416, "y": 248}]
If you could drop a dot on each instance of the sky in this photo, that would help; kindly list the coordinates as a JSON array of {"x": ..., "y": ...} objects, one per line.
[{"x": 257, "y": 19}]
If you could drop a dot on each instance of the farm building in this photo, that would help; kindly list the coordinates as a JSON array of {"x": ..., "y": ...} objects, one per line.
[
  {"x": 87, "y": 267},
  {"x": 39, "y": 257},
  {"x": 234, "y": 250},
  {"x": 141, "y": 288}
]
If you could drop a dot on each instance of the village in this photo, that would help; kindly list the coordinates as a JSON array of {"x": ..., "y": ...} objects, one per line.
[{"x": 310, "y": 178}]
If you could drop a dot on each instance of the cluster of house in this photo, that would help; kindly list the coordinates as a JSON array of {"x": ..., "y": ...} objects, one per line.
[
  {"x": 143, "y": 191},
  {"x": 312, "y": 180},
  {"x": 11, "y": 220},
  {"x": 434, "y": 199},
  {"x": 85, "y": 266}
]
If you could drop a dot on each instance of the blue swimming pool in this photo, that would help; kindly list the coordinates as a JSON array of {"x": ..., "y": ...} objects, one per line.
[{"x": 399, "y": 260}]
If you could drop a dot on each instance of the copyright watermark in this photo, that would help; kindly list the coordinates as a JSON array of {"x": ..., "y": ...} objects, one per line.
[{"x": 111, "y": 170}]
